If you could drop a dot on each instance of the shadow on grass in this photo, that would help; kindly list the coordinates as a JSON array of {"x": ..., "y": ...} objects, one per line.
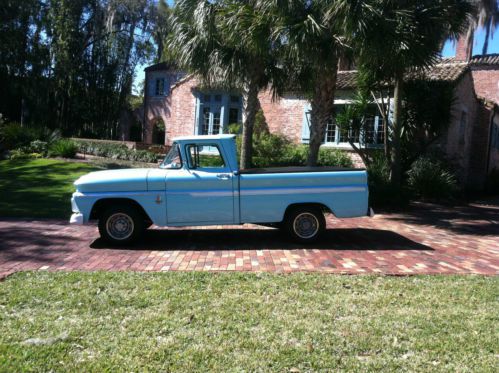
[{"x": 268, "y": 239}]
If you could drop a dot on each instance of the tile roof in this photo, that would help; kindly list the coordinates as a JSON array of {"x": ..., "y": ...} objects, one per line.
[
  {"x": 489, "y": 59},
  {"x": 447, "y": 71}
]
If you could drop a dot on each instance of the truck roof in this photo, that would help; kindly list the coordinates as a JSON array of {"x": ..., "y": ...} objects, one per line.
[{"x": 204, "y": 137}]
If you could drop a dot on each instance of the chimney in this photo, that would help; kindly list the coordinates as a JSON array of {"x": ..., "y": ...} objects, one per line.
[{"x": 464, "y": 48}]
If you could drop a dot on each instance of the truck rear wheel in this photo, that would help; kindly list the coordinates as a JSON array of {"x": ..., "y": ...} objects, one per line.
[
  {"x": 305, "y": 224},
  {"x": 120, "y": 225}
]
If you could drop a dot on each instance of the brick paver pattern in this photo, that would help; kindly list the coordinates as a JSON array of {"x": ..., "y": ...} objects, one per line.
[{"x": 425, "y": 239}]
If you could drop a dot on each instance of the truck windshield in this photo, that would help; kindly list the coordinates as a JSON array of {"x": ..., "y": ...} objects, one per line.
[{"x": 172, "y": 159}]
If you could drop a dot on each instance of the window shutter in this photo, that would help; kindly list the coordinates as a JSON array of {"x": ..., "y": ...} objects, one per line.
[{"x": 305, "y": 131}]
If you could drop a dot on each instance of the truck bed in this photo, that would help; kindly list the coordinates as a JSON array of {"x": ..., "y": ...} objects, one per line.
[{"x": 286, "y": 170}]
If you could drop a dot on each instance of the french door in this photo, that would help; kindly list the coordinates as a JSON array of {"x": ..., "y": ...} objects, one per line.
[{"x": 211, "y": 124}]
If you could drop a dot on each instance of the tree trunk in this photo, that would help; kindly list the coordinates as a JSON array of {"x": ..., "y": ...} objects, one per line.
[
  {"x": 322, "y": 104},
  {"x": 396, "y": 166},
  {"x": 250, "y": 111},
  {"x": 487, "y": 36}
]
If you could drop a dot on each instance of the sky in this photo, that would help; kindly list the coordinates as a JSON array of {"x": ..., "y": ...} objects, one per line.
[{"x": 449, "y": 50}]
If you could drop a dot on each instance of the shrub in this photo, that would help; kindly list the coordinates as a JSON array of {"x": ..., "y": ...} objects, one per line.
[
  {"x": 334, "y": 157},
  {"x": 39, "y": 146},
  {"x": 23, "y": 153},
  {"x": 63, "y": 148},
  {"x": 270, "y": 150},
  {"x": 381, "y": 191},
  {"x": 13, "y": 136},
  {"x": 430, "y": 178},
  {"x": 115, "y": 150}
]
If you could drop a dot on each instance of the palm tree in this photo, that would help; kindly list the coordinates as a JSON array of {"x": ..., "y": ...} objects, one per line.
[
  {"x": 486, "y": 15},
  {"x": 394, "y": 38},
  {"x": 310, "y": 45},
  {"x": 228, "y": 44}
]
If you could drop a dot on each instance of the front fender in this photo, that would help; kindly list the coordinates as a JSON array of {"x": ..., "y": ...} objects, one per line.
[{"x": 153, "y": 203}]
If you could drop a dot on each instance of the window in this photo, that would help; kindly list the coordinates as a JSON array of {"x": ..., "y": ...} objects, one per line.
[
  {"x": 173, "y": 158},
  {"x": 372, "y": 132},
  {"x": 204, "y": 156},
  {"x": 160, "y": 87},
  {"x": 233, "y": 115},
  {"x": 331, "y": 132},
  {"x": 216, "y": 111}
]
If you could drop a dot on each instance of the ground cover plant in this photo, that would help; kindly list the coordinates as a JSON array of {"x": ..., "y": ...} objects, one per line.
[{"x": 252, "y": 322}]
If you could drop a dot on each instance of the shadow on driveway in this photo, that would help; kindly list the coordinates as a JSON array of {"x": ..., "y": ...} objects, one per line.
[{"x": 266, "y": 239}]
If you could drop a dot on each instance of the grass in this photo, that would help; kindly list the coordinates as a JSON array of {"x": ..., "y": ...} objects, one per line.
[
  {"x": 101, "y": 321},
  {"x": 38, "y": 188}
]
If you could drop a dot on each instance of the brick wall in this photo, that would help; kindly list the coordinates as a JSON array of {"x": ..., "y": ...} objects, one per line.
[
  {"x": 457, "y": 144},
  {"x": 284, "y": 116},
  {"x": 183, "y": 110},
  {"x": 486, "y": 82}
]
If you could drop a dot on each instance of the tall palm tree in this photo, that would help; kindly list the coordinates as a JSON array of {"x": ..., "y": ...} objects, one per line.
[
  {"x": 393, "y": 38},
  {"x": 486, "y": 15},
  {"x": 310, "y": 45},
  {"x": 228, "y": 44}
]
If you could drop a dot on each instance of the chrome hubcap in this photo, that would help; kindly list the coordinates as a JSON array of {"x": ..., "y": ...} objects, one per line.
[
  {"x": 120, "y": 226},
  {"x": 306, "y": 225}
]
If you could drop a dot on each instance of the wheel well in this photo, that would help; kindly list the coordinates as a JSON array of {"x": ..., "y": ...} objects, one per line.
[
  {"x": 320, "y": 206},
  {"x": 104, "y": 203}
]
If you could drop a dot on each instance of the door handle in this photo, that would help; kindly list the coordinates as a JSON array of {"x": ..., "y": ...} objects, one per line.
[{"x": 223, "y": 176}]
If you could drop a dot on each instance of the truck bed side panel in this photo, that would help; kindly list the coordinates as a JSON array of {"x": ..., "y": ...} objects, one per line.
[{"x": 265, "y": 197}]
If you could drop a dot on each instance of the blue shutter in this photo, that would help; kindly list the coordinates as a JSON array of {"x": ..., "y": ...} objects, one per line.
[
  {"x": 305, "y": 130},
  {"x": 198, "y": 116}
]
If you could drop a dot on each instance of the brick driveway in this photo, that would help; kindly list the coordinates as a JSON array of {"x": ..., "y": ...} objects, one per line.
[{"x": 425, "y": 239}]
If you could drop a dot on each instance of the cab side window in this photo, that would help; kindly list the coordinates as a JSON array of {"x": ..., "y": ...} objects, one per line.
[{"x": 204, "y": 156}]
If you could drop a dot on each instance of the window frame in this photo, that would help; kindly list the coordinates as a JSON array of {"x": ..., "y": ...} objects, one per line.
[{"x": 177, "y": 145}]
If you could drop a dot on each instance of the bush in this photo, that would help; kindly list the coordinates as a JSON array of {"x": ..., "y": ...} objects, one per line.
[
  {"x": 381, "y": 191},
  {"x": 334, "y": 157},
  {"x": 430, "y": 178},
  {"x": 13, "y": 136},
  {"x": 39, "y": 146},
  {"x": 23, "y": 153},
  {"x": 115, "y": 151},
  {"x": 270, "y": 150},
  {"x": 63, "y": 148}
]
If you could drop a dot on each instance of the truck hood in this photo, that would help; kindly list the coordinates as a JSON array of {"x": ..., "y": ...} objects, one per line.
[{"x": 127, "y": 180}]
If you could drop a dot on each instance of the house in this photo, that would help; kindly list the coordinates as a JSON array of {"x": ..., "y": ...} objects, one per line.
[{"x": 178, "y": 104}]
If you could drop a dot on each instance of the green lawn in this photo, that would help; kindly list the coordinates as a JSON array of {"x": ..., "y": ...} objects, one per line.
[
  {"x": 247, "y": 322},
  {"x": 38, "y": 188}
]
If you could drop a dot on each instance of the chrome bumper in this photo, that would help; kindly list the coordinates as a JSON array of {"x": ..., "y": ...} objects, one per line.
[{"x": 76, "y": 218}]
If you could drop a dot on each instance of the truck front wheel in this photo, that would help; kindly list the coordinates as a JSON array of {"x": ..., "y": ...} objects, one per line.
[
  {"x": 120, "y": 225},
  {"x": 305, "y": 224}
]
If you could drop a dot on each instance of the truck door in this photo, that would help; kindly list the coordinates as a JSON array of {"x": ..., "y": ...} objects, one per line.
[{"x": 202, "y": 193}]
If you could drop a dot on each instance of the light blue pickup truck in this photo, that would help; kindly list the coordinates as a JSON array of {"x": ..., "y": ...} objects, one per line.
[{"x": 199, "y": 183}]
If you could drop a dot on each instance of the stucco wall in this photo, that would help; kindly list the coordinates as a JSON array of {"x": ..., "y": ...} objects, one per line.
[{"x": 458, "y": 147}]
